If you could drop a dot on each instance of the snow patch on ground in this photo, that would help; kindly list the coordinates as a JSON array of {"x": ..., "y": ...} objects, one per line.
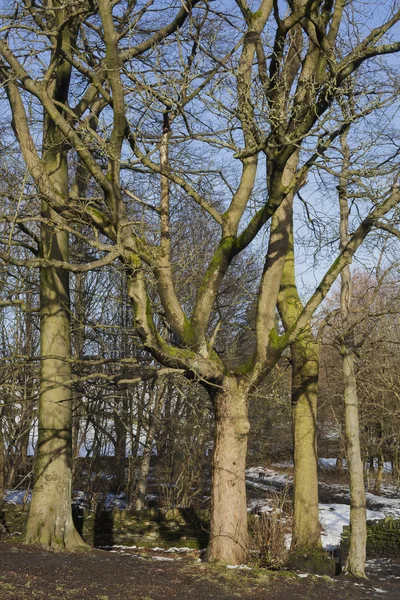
[
  {"x": 390, "y": 506},
  {"x": 334, "y": 517},
  {"x": 17, "y": 496},
  {"x": 266, "y": 477}
]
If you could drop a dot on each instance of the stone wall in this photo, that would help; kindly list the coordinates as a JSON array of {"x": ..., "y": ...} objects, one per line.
[
  {"x": 383, "y": 538},
  {"x": 149, "y": 527}
]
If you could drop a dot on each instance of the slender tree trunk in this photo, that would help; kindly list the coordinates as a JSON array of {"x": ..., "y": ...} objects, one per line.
[
  {"x": 28, "y": 388},
  {"x": 228, "y": 533},
  {"x": 379, "y": 474},
  {"x": 135, "y": 441},
  {"x": 396, "y": 466},
  {"x": 339, "y": 462},
  {"x": 154, "y": 416},
  {"x": 120, "y": 443},
  {"x": 305, "y": 365},
  {"x": 2, "y": 459},
  {"x": 358, "y": 537},
  {"x": 358, "y": 528}
]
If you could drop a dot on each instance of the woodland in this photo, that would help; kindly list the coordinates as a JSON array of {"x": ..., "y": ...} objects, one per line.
[{"x": 199, "y": 262}]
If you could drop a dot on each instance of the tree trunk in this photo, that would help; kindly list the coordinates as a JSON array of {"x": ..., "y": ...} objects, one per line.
[
  {"x": 396, "y": 466},
  {"x": 79, "y": 341},
  {"x": 50, "y": 516},
  {"x": 358, "y": 536},
  {"x": 135, "y": 442},
  {"x": 154, "y": 416},
  {"x": 379, "y": 474},
  {"x": 305, "y": 365},
  {"x": 120, "y": 443},
  {"x": 2, "y": 459},
  {"x": 358, "y": 527},
  {"x": 228, "y": 532},
  {"x": 339, "y": 463}
]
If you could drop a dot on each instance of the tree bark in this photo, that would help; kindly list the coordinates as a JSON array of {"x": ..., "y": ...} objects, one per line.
[
  {"x": 120, "y": 443},
  {"x": 154, "y": 415},
  {"x": 50, "y": 516},
  {"x": 228, "y": 532},
  {"x": 358, "y": 536},
  {"x": 379, "y": 474},
  {"x": 305, "y": 368},
  {"x": 358, "y": 528},
  {"x": 305, "y": 365}
]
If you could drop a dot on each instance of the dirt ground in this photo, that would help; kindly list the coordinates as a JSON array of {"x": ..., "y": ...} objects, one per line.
[{"x": 28, "y": 572}]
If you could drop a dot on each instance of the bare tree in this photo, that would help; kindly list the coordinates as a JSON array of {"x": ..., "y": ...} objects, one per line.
[{"x": 162, "y": 96}]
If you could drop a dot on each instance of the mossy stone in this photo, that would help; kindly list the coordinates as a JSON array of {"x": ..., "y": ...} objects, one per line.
[{"x": 314, "y": 561}]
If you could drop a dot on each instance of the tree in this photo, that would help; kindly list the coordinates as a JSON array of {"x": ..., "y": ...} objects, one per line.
[{"x": 170, "y": 88}]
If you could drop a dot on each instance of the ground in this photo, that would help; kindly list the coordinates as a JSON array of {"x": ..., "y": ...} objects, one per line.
[
  {"x": 121, "y": 573},
  {"x": 34, "y": 573}
]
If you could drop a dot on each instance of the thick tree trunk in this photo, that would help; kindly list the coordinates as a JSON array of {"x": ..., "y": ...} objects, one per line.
[
  {"x": 50, "y": 516},
  {"x": 228, "y": 533},
  {"x": 79, "y": 341},
  {"x": 305, "y": 365},
  {"x": 358, "y": 537},
  {"x": 305, "y": 368}
]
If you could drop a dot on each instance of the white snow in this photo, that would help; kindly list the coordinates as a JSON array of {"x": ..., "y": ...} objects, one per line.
[
  {"x": 334, "y": 517},
  {"x": 390, "y": 506},
  {"x": 265, "y": 477},
  {"x": 330, "y": 463},
  {"x": 17, "y": 496}
]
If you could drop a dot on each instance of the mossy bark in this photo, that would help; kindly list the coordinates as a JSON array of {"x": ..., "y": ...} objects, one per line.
[
  {"x": 305, "y": 365},
  {"x": 50, "y": 517},
  {"x": 228, "y": 528}
]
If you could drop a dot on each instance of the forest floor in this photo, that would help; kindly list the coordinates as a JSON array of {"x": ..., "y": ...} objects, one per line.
[
  {"x": 121, "y": 573},
  {"x": 34, "y": 573}
]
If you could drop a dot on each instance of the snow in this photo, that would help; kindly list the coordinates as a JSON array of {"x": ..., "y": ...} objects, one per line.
[
  {"x": 334, "y": 517},
  {"x": 390, "y": 506},
  {"x": 17, "y": 496},
  {"x": 266, "y": 477},
  {"x": 330, "y": 463}
]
